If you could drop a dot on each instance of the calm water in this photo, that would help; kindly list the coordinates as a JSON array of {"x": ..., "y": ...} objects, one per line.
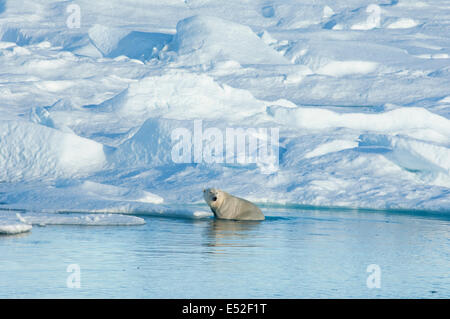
[{"x": 293, "y": 254}]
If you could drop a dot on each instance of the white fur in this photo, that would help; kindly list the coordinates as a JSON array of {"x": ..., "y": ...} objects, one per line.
[{"x": 226, "y": 206}]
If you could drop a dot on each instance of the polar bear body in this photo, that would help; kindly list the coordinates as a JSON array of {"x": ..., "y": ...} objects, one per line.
[{"x": 227, "y": 206}]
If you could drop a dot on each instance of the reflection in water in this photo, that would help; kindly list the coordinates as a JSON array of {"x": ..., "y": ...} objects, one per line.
[{"x": 230, "y": 233}]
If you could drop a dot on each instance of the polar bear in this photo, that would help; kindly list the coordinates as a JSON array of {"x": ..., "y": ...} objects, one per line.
[{"x": 226, "y": 206}]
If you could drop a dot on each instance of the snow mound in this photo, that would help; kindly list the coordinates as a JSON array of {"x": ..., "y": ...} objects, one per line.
[
  {"x": 331, "y": 147},
  {"x": 203, "y": 39},
  {"x": 182, "y": 95},
  {"x": 429, "y": 160},
  {"x": 166, "y": 142},
  {"x": 42, "y": 116},
  {"x": 402, "y": 119},
  {"x": 404, "y": 23},
  {"x": 114, "y": 42},
  {"x": 342, "y": 68},
  {"x": 116, "y": 193},
  {"x": 339, "y": 58},
  {"x": 305, "y": 14},
  {"x": 32, "y": 151},
  {"x": 106, "y": 38},
  {"x": 361, "y": 18},
  {"x": 151, "y": 145}
]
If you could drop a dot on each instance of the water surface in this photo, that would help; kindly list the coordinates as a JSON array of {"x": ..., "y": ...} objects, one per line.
[{"x": 292, "y": 254}]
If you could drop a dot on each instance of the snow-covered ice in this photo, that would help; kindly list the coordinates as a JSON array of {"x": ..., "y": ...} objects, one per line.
[
  {"x": 13, "y": 223},
  {"x": 358, "y": 89}
]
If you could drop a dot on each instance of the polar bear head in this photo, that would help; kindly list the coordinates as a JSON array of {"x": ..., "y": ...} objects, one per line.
[{"x": 213, "y": 197}]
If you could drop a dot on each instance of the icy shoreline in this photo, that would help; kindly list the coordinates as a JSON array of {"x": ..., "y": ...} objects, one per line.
[
  {"x": 363, "y": 109},
  {"x": 12, "y": 223}
]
